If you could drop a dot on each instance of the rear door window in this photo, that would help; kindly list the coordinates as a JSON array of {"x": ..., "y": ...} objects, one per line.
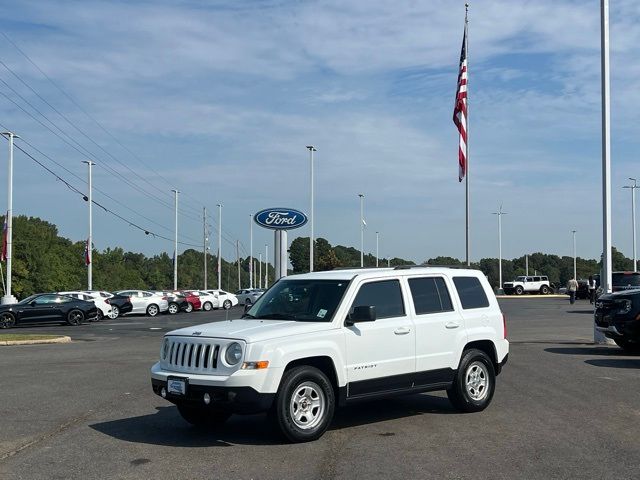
[
  {"x": 386, "y": 296},
  {"x": 471, "y": 292},
  {"x": 430, "y": 295}
]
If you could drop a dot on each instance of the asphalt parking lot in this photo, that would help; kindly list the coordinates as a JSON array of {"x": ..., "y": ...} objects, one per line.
[{"x": 563, "y": 409}]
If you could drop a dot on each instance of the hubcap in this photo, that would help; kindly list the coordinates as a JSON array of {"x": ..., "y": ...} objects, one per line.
[
  {"x": 114, "y": 312},
  {"x": 153, "y": 310},
  {"x": 477, "y": 381},
  {"x": 173, "y": 309},
  {"x": 307, "y": 405}
]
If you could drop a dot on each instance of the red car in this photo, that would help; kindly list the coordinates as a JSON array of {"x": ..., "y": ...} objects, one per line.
[{"x": 194, "y": 301}]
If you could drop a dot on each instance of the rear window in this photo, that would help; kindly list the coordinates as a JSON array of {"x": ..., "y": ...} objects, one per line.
[
  {"x": 624, "y": 279},
  {"x": 471, "y": 293},
  {"x": 430, "y": 295}
]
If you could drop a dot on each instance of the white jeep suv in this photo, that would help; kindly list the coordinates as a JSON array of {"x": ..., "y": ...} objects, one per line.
[
  {"x": 523, "y": 284},
  {"x": 317, "y": 341}
]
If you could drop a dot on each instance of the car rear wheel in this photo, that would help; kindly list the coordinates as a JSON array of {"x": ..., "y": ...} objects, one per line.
[
  {"x": 99, "y": 316},
  {"x": 189, "y": 307},
  {"x": 519, "y": 290},
  {"x": 207, "y": 306},
  {"x": 474, "y": 383},
  {"x": 153, "y": 310},
  {"x": 304, "y": 405},
  {"x": 173, "y": 308},
  {"x": 248, "y": 302},
  {"x": 7, "y": 320},
  {"x": 75, "y": 317},
  {"x": 627, "y": 346},
  {"x": 227, "y": 304},
  {"x": 203, "y": 417},
  {"x": 115, "y": 312},
  {"x": 544, "y": 290}
]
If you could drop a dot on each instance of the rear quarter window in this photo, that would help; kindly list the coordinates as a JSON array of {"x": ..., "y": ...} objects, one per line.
[{"x": 471, "y": 292}]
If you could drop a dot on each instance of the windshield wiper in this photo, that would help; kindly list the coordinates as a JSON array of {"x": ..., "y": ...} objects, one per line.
[
  {"x": 277, "y": 316},
  {"x": 247, "y": 315}
]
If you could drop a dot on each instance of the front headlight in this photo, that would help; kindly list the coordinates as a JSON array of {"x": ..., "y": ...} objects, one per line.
[
  {"x": 233, "y": 354},
  {"x": 624, "y": 306}
]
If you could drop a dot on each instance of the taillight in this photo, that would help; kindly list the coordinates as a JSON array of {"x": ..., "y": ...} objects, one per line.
[
  {"x": 165, "y": 298},
  {"x": 107, "y": 301},
  {"x": 504, "y": 325}
]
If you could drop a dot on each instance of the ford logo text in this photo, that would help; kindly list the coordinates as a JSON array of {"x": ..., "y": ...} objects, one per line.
[{"x": 280, "y": 218}]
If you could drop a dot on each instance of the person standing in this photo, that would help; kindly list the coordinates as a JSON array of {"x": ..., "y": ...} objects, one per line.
[
  {"x": 591, "y": 284},
  {"x": 572, "y": 286}
]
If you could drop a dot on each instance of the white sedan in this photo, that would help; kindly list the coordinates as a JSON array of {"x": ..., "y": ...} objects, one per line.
[
  {"x": 226, "y": 300},
  {"x": 146, "y": 302},
  {"x": 104, "y": 309}
]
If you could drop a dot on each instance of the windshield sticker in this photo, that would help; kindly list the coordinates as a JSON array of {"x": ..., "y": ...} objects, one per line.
[{"x": 321, "y": 313}]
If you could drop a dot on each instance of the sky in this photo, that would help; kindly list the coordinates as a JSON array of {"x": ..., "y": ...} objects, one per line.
[{"x": 218, "y": 99}]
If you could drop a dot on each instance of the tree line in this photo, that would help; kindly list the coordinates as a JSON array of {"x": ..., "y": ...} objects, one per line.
[{"x": 43, "y": 261}]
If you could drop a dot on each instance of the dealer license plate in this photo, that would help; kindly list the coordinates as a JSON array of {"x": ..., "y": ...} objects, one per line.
[{"x": 177, "y": 386}]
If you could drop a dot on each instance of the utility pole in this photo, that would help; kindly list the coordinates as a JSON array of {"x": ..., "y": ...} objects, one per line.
[
  {"x": 204, "y": 243},
  {"x": 238, "y": 262},
  {"x": 175, "y": 243},
  {"x": 250, "y": 250},
  {"x": 89, "y": 259},
  {"x": 219, "y": 246},
  {"x": 311, "y": 149},
  {"x": 499, "y": 213},
  {"x": 266, "y": 266},
  {"x": 8, "y": 298},
  {"x": 377, "y": 244},
  {"x": 362, "y": 224},
  {"x": 575, "y": 275},
  {"x": 633, "y": 219}
]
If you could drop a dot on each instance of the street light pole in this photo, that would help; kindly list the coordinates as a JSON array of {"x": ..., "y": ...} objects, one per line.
[
  {"x": 311, "y": 149},
  {"x": 266, "y": 266},
  {"x": 219, "y": 246},
  {"x": 204, "y": 243},
  {"x": 361, "y": 229},
  {"x": 499, "y": 213},
  {"x": 250, "y": 250},
  {"x": 377, "y": 245},
  {"x": 89, "y": 258},
  {"x": 633, "y": 219},
  {"x": 175, "y": 242},
  {"x": 260, "y": 270},
  {"x": 8, "y": 298},
  {"x": 575, "y": 274},
  {"x": 238, "y": 261}
]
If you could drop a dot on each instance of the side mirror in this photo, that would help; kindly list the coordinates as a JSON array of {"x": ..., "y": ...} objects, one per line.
[{"x": 362, "y": 313}]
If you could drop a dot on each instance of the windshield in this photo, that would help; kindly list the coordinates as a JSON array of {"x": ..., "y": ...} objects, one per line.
[
  {"x": 300, "y": 300},
  {"x": 625, "y": 279},
  {"x": 521, "y": 279}
]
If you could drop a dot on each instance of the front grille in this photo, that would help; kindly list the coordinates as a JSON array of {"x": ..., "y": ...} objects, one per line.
[{"x": 182, "y": 354}]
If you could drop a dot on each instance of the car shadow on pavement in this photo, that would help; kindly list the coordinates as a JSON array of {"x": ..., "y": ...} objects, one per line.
[
  {"x": 584, "y": 312},
  {"x": 615, "y": 362},
  {"x": 586, "y": 350},
  {"x": 165, "y": 427}
]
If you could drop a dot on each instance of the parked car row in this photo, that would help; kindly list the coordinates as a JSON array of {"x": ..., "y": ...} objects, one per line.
[{"x": 76, "y": 307}]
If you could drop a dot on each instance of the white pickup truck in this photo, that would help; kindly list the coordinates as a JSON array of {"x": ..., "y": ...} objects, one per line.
[{"x": 317, "y": 341}]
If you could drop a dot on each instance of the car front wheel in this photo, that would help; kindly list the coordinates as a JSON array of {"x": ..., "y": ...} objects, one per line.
[
  {"x": 203, "y": 417},
  {"x": 627, "y": 346},
  {"x": 75, "y": 317},
  {"x": 7, "y": 320},
  {"x": 304, "y": 405},
  {"x": 519, "y": 290},
  {"x": 474, "y": 383}
]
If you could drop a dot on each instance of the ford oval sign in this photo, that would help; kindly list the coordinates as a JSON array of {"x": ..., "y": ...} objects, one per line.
[{"x": 280, "y": 218}]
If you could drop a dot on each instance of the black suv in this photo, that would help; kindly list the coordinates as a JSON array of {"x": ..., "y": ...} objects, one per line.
[{"x": 617, "y": 315}]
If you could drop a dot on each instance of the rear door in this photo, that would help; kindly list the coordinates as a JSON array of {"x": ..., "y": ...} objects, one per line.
[
  {"x": 381, "y": 354},
  {"x": 439, "y": 328}
]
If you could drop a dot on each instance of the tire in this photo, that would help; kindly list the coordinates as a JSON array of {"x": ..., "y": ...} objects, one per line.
[
  {"x": 153, "y": 310},
  {"x": 544, "y": 290},
  {"x": 99, "y": 316},
  {"x": 248, "y": 302},
  {"x": 519, "y": 290},
  {"x": 75, "y": 317},
  {"x": 304, "y": 404},
  {"x": 173, "y": 308},
  {"x": 226, "y": 304},
  {"x": 474, "y": 383},
  {"x": 627, "y": 346},
  {"x": 115, "y": 312},
  {"x": 203, "y": 417},
  {"x": 189, "y": 307},
  {"x": 7, "y": 320},
  {"x": 207, "y": 306}
]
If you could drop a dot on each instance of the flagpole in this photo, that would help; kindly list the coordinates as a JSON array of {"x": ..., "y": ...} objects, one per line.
[
  {"x": 89, "y": 247},
  {"x": 466, "y": 176}
]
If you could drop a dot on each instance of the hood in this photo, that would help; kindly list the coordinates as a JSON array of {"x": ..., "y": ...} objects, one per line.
[
  {"x": 251, "y": 330},
  {"x": 620, "y": 294}
]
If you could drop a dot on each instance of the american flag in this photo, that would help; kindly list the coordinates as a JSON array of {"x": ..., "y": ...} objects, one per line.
[
  {"x": 87, "y": 259},
  {"x": 3, "y": 253},
  {"x": 460, "y": 109}
]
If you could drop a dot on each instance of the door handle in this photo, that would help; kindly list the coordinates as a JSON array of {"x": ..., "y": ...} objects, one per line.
[
  {"x": 402, "y": 330},
  {"x": 451, "y": 325}
]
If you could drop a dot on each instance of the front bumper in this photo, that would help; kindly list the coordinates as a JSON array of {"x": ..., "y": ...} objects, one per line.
[
  {"x": 244, "y": 400},
  {"x": 616, "y": 327}
]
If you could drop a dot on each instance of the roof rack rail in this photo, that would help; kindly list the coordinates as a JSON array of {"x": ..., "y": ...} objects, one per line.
[
  {"x": 357, "y": 268},
  {"x": 408, "y": 267}
]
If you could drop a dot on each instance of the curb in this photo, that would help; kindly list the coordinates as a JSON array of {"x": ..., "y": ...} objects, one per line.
[
  {"x": 533, "y": 296},
  {"x": 63, "y": 339}
]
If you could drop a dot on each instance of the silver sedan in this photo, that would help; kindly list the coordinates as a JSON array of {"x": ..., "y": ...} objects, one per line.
[{"x": 248, "y": 296}]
